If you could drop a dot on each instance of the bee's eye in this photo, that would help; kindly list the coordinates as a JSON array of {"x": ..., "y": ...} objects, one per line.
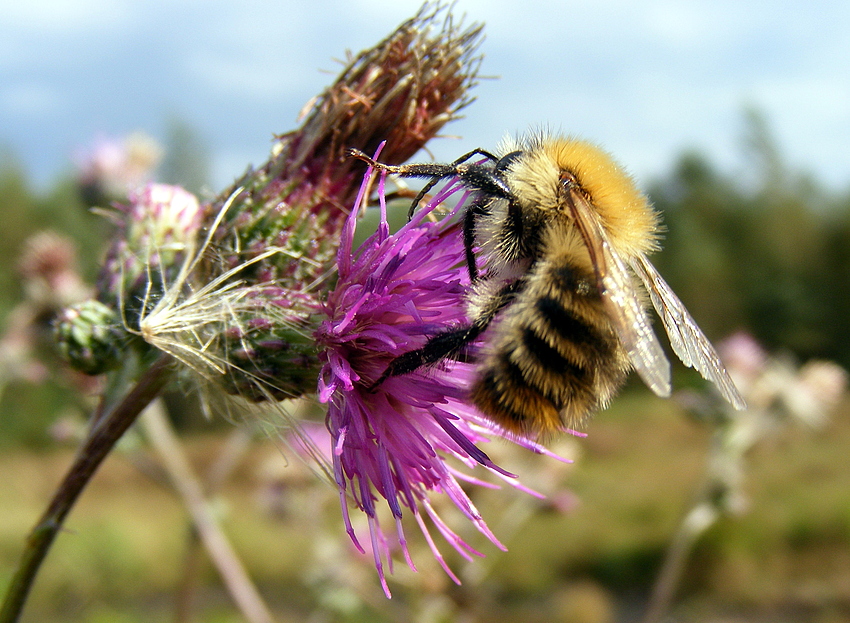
[{"x": 568, "y": 180}]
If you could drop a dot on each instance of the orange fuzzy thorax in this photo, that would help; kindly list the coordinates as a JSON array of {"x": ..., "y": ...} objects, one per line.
[{"x": 630, "y": 221}]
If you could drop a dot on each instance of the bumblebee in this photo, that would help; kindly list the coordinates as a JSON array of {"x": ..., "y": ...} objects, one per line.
[{"x": 562, "y": 235}]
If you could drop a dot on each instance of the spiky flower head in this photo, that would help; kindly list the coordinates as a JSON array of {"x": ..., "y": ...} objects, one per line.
[
  {"x": 412, "y": 435},
  {"x": 403, "y": 90},
  {"x": 158, "y": 228}
]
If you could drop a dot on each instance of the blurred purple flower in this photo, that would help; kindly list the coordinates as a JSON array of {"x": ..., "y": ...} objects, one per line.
[
  {"x": 744, "y": 357},
  {"x": 395, "y": 441}
]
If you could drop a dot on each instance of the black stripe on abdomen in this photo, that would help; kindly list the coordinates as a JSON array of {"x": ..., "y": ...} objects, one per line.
[
  {"x": 566, "y": 324},
  {"x": 550, "y": 357}
]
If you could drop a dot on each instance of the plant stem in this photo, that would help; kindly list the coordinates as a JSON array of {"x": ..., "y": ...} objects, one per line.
[
  {"x": 188, "y": 486},
  {"x": 238, "y": 443},
  {"x": 102, "y": 438},
  {"x": 696, "y": 522}
]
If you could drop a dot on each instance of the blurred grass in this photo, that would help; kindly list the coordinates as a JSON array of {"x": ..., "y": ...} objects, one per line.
[{"x": 121, "y": 557}]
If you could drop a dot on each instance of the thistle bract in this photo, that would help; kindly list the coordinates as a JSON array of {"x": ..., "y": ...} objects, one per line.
[{"x": 159, "y": 227}]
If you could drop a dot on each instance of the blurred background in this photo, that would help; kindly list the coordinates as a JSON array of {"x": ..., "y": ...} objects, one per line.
[{"x": 733, "y": 117}]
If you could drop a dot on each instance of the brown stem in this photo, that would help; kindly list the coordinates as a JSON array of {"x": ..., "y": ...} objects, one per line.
[{"x": 102, "y": 438}]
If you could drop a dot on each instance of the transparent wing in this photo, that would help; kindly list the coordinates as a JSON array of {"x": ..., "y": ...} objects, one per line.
[
  {"x": 621, "y": 301},
  {"x": 687, "y": 339}
]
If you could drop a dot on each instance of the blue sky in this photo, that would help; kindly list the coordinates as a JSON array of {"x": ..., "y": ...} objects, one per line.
[{"x": 646, "y": 80}]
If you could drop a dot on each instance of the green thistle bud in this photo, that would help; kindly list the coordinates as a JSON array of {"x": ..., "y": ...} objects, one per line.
[
  {"x": 274, "y": 355},
  {"x": 90, "y": 337}
]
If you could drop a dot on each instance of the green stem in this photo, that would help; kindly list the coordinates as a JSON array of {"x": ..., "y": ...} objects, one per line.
[{"x": 106, "y": 432}]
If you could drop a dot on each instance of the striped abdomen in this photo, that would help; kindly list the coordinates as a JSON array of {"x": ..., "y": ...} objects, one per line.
[{"x": 553, "y": 357}]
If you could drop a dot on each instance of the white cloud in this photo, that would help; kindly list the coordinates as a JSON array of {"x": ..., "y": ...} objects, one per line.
[{"x": 646, "y": 77}]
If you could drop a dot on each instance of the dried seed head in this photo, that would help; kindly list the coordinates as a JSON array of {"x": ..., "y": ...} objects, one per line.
[{"x": 403, "y": 91}]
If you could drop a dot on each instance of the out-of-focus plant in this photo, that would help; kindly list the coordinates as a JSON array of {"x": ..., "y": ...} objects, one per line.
[
  {"x": 763, "y": 247},
  {"x": 111, "y": 167},
  {"x": 778, "y": 393},
  {"x": 50, "y": 281}
]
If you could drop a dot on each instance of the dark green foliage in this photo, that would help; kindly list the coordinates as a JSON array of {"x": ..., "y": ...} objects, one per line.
[
  {"x": 24, "y": 212},
  {"x": 764, "y": 250}
]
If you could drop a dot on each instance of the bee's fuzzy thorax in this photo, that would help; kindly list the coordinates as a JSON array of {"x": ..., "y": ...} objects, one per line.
[{"x": 629, "y": 219}]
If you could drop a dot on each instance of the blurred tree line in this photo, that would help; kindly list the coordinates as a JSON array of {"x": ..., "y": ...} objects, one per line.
[{"x": 765, "y": 249}]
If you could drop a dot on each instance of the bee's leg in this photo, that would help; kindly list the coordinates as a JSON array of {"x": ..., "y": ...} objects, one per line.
[
  {"x": 475, "y": 152},
  {"x": 453, "y": 165},
  {"x": 449, "y": 344},
  {"x": 469, "y": 219},
  {"x": 435, "y": 171},
  {"x": 476, "y": 209},
  {"x": 442, "y": 346}
]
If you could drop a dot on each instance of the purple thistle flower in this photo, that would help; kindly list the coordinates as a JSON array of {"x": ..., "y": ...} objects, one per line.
[{"x": 395, "y": 441}]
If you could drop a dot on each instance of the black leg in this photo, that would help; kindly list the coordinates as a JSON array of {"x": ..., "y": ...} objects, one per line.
[
  {"x": 407, "y": 170},
  {"x": 449, "y": 344},
  {"x": 454, "y": 165},
  {"x": 442, "y": 346},
  {"x": 469, "y": 244},
  {"x": 436, "y": 172},
  {"x": 477, "y": 208}
]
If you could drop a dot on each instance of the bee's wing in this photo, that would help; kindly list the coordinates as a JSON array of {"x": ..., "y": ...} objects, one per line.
[
  {"x": 687, "y": 339},
  {"x": 627, "y": 315}
]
